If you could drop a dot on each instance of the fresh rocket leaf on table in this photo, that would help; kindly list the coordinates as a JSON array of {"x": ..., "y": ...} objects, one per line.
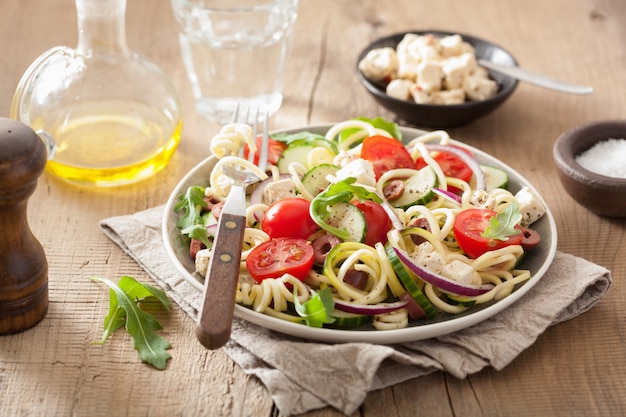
[
  {"x": 317, "y": 310},
  {"x": 124, "y": 309},
  {"x": 192, "y": 223},
  {"x": 502, "y": 225}
]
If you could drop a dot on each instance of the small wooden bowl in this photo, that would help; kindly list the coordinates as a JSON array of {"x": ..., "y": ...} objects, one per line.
[{"x": 599, "y": 193}]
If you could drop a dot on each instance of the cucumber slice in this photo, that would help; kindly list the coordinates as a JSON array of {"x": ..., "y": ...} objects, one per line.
[
  {"x": 348, "y": 217},
  {"x": 461, "y": 300},
  {"x": 410, "y": 285},
  {"x": 495, "y": 177},
  {"x": 418, "y": 189},
  {"x": 294, "y": 153},
  {"x": 349, "y": 320},
  {"x": 315, "y": 179}
]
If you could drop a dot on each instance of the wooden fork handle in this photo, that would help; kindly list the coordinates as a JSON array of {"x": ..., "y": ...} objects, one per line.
[{"x": 216, "y": 314}]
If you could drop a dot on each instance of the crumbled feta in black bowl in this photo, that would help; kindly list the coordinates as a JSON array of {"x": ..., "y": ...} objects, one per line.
[{"x": 432, "y": 79}]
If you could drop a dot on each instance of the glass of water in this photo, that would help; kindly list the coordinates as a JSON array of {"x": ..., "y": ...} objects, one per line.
[{"x": 234, "y": 52}]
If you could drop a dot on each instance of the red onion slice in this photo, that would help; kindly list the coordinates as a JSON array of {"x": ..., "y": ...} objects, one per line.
[
  {"x": 211, "y": 230},
  {"x": 439, "y": 281},
  {"x": 481, "y": 184},
  {"x": 448, "y": 194},
  {"x": 395, "y": 220},
  {"x": 369, "y": 309}
]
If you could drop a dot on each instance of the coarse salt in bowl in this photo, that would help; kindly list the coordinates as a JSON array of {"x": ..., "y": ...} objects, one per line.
[{"x": 591, "y": 162}]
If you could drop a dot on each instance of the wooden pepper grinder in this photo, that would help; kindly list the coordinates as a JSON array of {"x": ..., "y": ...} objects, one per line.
[{"x": 23, "y": 265}]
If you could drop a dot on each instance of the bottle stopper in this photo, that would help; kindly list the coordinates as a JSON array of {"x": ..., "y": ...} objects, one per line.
[{"x": 23, "y": 264}]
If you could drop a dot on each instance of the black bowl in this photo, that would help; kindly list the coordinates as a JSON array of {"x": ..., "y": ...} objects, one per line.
[{"x": 444, "y": 116}]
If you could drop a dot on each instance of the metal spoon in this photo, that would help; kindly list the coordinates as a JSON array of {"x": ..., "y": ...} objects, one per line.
[{"x": 537, "y": 79}]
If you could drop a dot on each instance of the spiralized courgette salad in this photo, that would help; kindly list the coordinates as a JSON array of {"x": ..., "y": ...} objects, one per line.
[{"x": 361, "y": 227}]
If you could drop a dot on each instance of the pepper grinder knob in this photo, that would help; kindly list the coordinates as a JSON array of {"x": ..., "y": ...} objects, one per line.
[{"x": 23, "y": 264}]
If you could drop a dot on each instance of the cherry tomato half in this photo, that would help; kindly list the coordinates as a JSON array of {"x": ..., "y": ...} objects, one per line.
[
  {"x": 468, "y": 226},
  {"x": 276, "y": 257},
  {"x": 451, "y": 165},
  {"x": 378, "y": 223},
  {"x": 289, "y": 217},
  {"x": 385, "y": 154},
  {"x": 274, "y": 150}
]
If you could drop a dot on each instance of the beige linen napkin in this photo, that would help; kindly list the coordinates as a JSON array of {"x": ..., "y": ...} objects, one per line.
[{"x": 303, "y": 376}]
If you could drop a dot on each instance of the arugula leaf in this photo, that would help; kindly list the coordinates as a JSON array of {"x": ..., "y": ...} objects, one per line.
[
  {"x": 380, "y": 123},
  {"x": 193, "y": 223},
  {"x": 190, "y": 203},
  {"x": 318, "y": 309},
  {"x": 340, "y": 192},
  {"x": 305, "y": 138},
  {"x": 502, "y": 225},
  {"x": 124, "y": 299}
]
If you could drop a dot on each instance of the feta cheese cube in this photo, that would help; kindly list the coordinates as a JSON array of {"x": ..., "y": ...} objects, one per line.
[
  {"x": 360, "y": 169},
  {"x": 453, "y": 45},
  {"x": 429, "y": 76},
  {"x": 531, "y": 206},
  {"x": 343, "y": 158},
  {"x": 277, "y": 190},
  {"x": 400, "y": 89},
  {"x": 380, "y": 65},
  {"x": 456, "y": 96},
  {"x": 407, "y": 66},
  {"x": 459, "y": 271},
  {"x": 478, "y": 71},
  {"x": 419, "y": 95},
  {"x": 456, "y": 68},
  {"x": 202, "y": 261},
  {"x": 478, "y": 89},
  {"x": 425, "y": 256}
]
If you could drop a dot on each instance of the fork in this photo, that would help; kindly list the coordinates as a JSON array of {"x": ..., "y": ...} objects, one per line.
[{"x": 216, "y": 313}]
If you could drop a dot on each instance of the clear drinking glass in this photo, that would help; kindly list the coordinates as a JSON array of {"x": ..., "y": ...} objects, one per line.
[
  {"x": 107, "y": 115},
  {"x": 235, "y": 52}
]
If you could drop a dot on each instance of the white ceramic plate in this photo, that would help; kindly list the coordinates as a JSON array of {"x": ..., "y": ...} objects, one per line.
[{"x": 537, "y": 261}]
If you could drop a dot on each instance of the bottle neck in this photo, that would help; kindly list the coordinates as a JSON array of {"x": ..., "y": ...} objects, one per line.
[{"x": 101, "y": 27}]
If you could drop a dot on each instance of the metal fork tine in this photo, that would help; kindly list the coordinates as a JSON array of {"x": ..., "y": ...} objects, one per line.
[
  {"x": 255, "y": 129},
  {"x": 264, "y": 144},
  {"x": 235, "y": 114}
]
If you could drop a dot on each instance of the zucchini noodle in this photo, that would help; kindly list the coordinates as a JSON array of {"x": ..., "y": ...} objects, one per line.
[
  {"x": 252, "y": 238},
  {"x": 441, "y": 135},
  {"x": 397, "y": 319},
  {"x": 220, "y": 183},
  {"x": 431, "y": 223},
  {"x": 231, "y": 139},
  {"x": 366, "y": 129},
  {"x": 320, "y": 155},
  {"x": 441, "y": 178},
  {"x": 361, "y": 257},
  {"x": 297, "y": 171},
  {"x": 272, "y": 294}
]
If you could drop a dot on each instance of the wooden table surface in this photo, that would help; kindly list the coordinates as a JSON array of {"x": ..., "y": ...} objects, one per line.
[{"x": 574, "y": 368}]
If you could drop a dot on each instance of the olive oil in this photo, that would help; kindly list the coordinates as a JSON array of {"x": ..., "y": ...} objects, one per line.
[
  {"x": 107, "y": 115},
  {"x": 113, "y": 149}
]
